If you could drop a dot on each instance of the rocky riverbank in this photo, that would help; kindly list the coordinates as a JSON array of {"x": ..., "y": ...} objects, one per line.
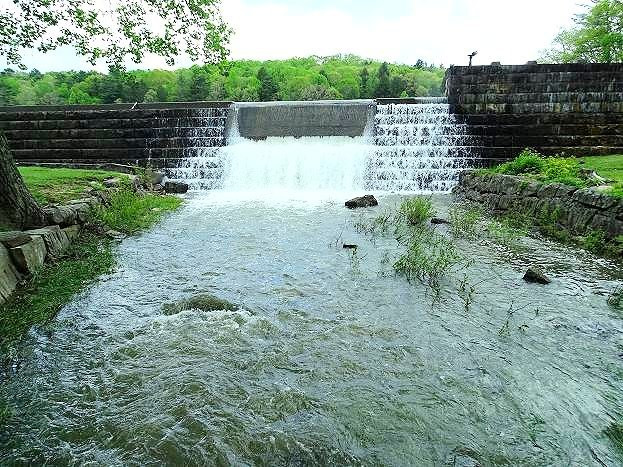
[{"x": 576, "y": 211}]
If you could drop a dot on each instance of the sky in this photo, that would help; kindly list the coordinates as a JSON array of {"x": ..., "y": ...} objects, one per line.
[{"x": 400, "y": 31}]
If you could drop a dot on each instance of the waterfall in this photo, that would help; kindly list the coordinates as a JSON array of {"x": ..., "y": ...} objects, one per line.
[
  {"x": 419, "y": 147},
  {"x": 404, "y": 148},
  {"x": 202, "y": 163}
]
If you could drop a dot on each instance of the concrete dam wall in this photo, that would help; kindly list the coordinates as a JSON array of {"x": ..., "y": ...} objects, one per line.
[
  {"x": 572, "y": 108},
  {"x": 297, "y": 119}
]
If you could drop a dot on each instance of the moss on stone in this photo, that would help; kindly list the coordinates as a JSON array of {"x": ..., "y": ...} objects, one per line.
[{"x": 204, "y": 302}]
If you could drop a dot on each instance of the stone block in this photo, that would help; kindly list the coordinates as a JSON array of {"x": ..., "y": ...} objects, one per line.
[
  {"x": 61, "y": 215},
  {"x": 55, "y": 239},
  {"x": 28, "y": 258},
  {"x": 72, "y": 232},
  {"x": 13, "y": 239},
  {"x": 9, "y": 276}
]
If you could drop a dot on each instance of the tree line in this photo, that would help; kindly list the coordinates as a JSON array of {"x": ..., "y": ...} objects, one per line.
[{"x": 312, "y": 78}]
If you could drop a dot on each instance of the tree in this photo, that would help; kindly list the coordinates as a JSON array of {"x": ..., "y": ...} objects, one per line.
[
  {"x": 268, "y": 89},
  {"x": 597, "y": 36},
  {"x": 383, "y": 88},
  {"x": 128, "y": 29},
  {"x": 364, "y": 76}
]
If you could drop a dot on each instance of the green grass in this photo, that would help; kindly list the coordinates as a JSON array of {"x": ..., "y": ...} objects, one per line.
[
  {"x": 567, "y": 170},
  {"x": 53, "y": 286},
  {"x": 610, "y": 167},
  {"x": 60, "y": 185},
  {"x": 130, "y": 213}
]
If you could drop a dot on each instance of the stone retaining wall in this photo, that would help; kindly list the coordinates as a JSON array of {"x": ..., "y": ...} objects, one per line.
[
  {"x": 24, "y": 253},
  {"x": 572, "y": 108},
  {"x": 580, "y": 211},
  {"x": 120, "y": 133}
]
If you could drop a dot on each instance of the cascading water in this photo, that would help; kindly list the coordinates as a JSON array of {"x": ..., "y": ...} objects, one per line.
[
  {"x": 419, "y": 147},
  {"x": 405, "y": 147},
  {"x": 202, "y": 164}
]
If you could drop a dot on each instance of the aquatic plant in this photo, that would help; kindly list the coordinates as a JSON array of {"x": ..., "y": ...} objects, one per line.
[
  {"x": 203, "y": 302},
  {"x": 417, "y": 210}
]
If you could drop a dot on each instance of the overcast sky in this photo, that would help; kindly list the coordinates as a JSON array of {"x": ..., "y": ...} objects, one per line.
[{"x": 438, "y": 31}]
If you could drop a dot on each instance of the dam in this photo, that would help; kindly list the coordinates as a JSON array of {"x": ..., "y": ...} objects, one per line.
[{"x": 489, "y": 114}]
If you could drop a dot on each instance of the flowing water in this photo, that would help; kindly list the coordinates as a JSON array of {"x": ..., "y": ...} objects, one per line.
[{"x": 331, "y": 361}]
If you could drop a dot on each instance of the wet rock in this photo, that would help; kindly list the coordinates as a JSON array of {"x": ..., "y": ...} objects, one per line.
[
  {"x": 204, "y": 302},
  {"x": 28, "y": 258},
  {"x": 464, "y": 457},
  {"x": 439, "y": 221},
  {"x": 158, "y": 187},
  {"x": 9, "y": 276},
  {"x": 176, "y": 187},
  {"x": 156, "y": 178},
  {"x": 113, "y": 182},
  {"x": 362, "y": 202},
  {"x": 535, "y": 275},
  {"x": 348, "y": 246},
  {"x": 115, "y": 235}
]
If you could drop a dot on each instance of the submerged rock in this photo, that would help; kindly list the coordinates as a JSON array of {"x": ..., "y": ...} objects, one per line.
[
  {"x": 204, "y": 302},
  {"x": 439, "y": 221},
  {"x": 348, "y": 246},
  {"x": 362, "y": 202},
  {"x": 535, "y": 275},
  {"x": 176, "y": 187}
]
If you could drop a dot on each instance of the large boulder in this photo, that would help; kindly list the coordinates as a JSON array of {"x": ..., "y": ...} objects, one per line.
[
  {"x": 61, "y": 215},
  {"x": 176, "y": 187},
  {"x": 13, "y": 239},
  {"x": 535, "y": 275},
  {"x": 362, "y": 202}
]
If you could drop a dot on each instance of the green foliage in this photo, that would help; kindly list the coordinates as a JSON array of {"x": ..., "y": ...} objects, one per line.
[
  {"x": 596, "y": 37},
  {"x": 428, "y": 258},
  {"x": 594, "y": 241},
  {"x": 339, "y": 77},
  {"x": 528, "y": 162},
  {"x": 417, "y": 211},
  {"x": 464, "y": 221},
  {"x": 53, "y": 286},
  {"x": 129, "y": 212},
  {"x": 615, "y": 299},
  {"x": 105, "y": 30},
  {"x": 60, "y": 185}
]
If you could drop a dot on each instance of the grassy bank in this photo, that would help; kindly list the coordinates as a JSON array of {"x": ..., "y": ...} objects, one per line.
[
  {"x": 57, "y": 282},
  {"x": 568, "y": 170},
  {"x": 61, "y": 185},
  {"x": 576, "y": 172}
]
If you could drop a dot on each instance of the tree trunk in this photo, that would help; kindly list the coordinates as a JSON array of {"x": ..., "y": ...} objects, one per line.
[{"x": 18, "y": 209}]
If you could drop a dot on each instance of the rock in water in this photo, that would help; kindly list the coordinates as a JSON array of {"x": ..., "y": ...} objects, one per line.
[
  {"x": 203, "y": 302},
  {"x": 176, "y": 187},
  {"x": 439, "y": 221},
  {"x": 535, "y": 275},
  {"x": 362, "y": 202}
]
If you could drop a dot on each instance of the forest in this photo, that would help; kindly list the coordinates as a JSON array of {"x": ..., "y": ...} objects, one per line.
[{"x": 312, "y": 78}]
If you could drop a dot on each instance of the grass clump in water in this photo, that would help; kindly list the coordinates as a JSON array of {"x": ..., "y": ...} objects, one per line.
[
  {"x": 205, "y": 302},
  {"x": 417, "y": 210},
  {"x": 54, "y": 285},
  {"x": 129, "y": 212}
]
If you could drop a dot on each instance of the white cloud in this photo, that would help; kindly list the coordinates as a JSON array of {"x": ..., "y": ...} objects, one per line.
[{"x": 440, "y": 31}]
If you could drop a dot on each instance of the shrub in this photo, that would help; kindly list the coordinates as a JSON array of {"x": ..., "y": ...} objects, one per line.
[
  {"x": 528, "y": 162},
  {"x": 562, "y": 170}
]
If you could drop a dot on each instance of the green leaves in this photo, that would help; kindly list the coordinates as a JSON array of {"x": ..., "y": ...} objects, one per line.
[
  {"x": 116, "y": 30},
  {"x": 597, "y": 37}
]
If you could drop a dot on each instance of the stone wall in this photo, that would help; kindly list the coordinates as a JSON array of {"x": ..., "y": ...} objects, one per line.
[
  {"x": 572, "y": 108},
  {"x": 580, "y": 211},
  {"x": 124, "y": 133}
]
